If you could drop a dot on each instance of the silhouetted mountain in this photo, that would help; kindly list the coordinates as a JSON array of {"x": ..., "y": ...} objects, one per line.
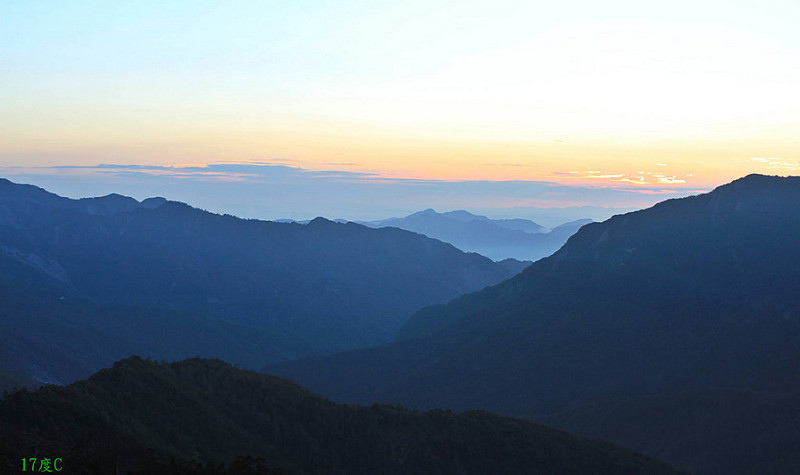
[
  {"x": 496, "y": 238},
  {"x": 518, "y": 224},
  {"x": 86, "y": 282},
  {"x": 514, "y": 265},
  {"x": 692, "y": 294},
  {"x": 20, "y": 195},
  {"x": 205, "y": 416}
]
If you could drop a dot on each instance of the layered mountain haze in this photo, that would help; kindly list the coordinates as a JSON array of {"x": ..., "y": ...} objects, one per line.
[
  {"x": 499, "y": 239},
  {"x": 429, "y": 217},
  {"x": 674, "y": 331},
  {"x": 86, "y": 282},
  {"x": 692, "y": 294},
  {"x": 518, "y": 224}
]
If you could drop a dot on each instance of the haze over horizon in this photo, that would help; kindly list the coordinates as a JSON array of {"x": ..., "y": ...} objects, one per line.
[{"x": 366, "y": 110}]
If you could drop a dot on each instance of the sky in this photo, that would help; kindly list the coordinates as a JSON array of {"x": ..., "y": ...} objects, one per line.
[{"x": 371, "y": 109}]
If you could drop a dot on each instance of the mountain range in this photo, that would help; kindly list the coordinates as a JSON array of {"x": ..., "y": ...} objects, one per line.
[
  {"x": 674, "y": 331},
  {"x": 498, "y": 239},
  {"x": 683, "y": 307},
  {"x": 86, "y": 282},
  {"x": 208, "y": 417}
]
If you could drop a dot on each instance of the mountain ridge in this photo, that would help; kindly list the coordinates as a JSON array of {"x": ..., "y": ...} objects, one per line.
[
  {"x": 693, "y": 294},
  {"x": 162, "y": 278},
  {"x": 206, "y": 416},
  {"x": 498, "y": 239}
]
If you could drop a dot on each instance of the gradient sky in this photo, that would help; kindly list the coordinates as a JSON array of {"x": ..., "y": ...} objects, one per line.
[{"x": 363, "y": 109}]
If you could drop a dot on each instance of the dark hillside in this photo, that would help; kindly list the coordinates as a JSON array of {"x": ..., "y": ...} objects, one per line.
[
  {"x": 716, "y": 431},
  {"x": 693, "y": 294},
  {"x": 147, "y": 417}
]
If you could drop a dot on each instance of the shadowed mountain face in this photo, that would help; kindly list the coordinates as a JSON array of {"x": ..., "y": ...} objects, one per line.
[
  {"x": 691, "y": 294},
  {"x": 86, "y": 282},
  {"x": 139, "y": 415},
  {"x": 714, "y": 431},
  {"x": 498, "y": 239}
]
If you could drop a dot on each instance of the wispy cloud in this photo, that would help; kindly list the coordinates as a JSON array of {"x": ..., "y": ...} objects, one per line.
[
  {"x": 778, "y": 163},
  {"x": 231, "y": 172},
  {"x": 641, "y": 179},
  {"x": 183, "y": 172},
  {"x": 271, "y": 190},
  {"x": 518, "y": 165},
  {"x": 669, "y": 179}
]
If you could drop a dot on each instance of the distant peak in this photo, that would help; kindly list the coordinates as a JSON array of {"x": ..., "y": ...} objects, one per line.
[
  {"x": 108, "y": 198},
  {"x": 464, "y": 216},
  {"x": 319, "y": 220},
  {"x": 152, "y": 203},
  {"x": 425, "y": 212}
]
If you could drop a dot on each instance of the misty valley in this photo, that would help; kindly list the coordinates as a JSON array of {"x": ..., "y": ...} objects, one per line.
[{"x": 152, "y": 337}]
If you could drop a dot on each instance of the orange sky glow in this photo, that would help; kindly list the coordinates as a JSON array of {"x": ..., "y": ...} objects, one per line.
[{"x": 620, "y": 95}]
